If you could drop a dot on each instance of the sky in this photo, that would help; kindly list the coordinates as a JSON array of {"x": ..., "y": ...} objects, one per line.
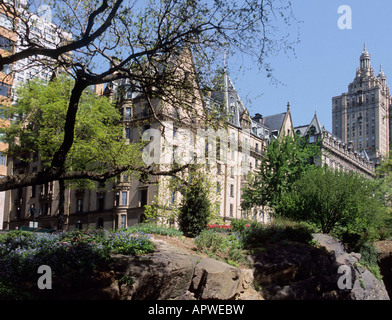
[{"x": 324, "y": 62}]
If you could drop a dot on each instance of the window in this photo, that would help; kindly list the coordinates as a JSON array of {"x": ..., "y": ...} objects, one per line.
[
  {"x": 6, "y": 44},
  {"x": 127, "y": 115},
  {"x": 6, "y": 69},
  {"x": 3, "y": 159},
  {"x": 123, "y": 222},
  {"x": 127, "y": 133},
  {"x": 124, "y": 198},
  {"x": 79, "y": 205},
  {"x": 232, "y": 190},
  {"x": 218, "y": 168},
  {"x": 231, "y": 209},
  {"x": 5, "y": 90},
  {"x": 5, "y": 21},
  {"x": 143, "y": 197},
  {"x": 101, "y": 201},
  {"x": 218, "y": 187}
]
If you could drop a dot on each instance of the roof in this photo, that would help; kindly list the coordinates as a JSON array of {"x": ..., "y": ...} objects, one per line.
[{"x": 274, "y": 122}]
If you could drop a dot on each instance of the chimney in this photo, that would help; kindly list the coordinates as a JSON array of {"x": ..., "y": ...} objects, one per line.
[{"x": 258, "y": 118}]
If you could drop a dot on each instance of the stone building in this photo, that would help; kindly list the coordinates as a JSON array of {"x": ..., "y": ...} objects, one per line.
[
  {"x": 361, "y": 115},
  {"x": 335, "y": 153},
  {"x": 227, "y": 152}
]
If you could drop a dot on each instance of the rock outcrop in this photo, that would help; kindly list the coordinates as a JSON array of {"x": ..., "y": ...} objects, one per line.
[
  {"x": 283, "y": 271},
  {"x": 297, "y": 271},
  {"x": 171, "y": 273}
]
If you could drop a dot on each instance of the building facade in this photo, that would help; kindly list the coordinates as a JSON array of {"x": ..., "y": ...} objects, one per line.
[
  {"x": 227, "y": 154},
  {"x": 361, "y": 115},
  {"x": 8, "y": 39},
  {"x": 335, "y": 153}
]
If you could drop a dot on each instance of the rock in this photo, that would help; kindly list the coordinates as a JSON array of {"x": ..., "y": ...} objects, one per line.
[
  {"x": 165, "y": 274},
  {"x": 365, "y": 286},
  {"x": 172, "y": 273},
  {"x": 215, "y": 280},
  {"x": 298, "y": 271}
]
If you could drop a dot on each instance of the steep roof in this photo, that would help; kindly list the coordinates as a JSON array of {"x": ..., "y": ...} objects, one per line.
[{"x": 275, "y": 122}]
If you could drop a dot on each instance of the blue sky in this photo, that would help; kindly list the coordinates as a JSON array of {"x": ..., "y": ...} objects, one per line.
[{"x": 324, "y": 63}]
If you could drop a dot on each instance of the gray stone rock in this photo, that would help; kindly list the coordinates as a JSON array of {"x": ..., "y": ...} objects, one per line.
[{"x": 365, "y": 286}]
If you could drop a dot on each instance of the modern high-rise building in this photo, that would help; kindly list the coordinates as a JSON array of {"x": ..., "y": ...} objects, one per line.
[{"x": 361, "y": 115}]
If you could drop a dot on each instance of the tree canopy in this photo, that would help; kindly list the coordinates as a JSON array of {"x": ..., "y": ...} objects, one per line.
[
  {"x": 106, "y": 40},
  {"x": 38, "y": 125},
  {"x": 285, "y": 159},
  {"x": 333, "y": 199}
]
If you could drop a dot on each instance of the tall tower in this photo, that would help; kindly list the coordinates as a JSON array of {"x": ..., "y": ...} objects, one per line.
[{"x": 361, "y": 115}]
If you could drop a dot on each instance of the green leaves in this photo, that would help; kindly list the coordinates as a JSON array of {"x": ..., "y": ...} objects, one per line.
[
  {"x": 39, "y": 125},
  {"x": 330, "y": 199},
  {"x": 285, "y": 160},
  {"x": 195, "y": 209}
]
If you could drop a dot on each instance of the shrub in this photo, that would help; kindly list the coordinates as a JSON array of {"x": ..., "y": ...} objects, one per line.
[
  {"x": 155, "y": 229},
  {"x": 258, "y": 234},
  {"x": 195, "y": 208},
  {"x": 77, "y": 253},
  {"x": 210, "y": 240},
  {"x": 129, "y": 243},
  {"x": 239, "y": 225}
]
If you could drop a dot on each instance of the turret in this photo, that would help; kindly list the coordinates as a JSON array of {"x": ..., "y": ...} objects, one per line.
[{"x": 382, "y": 77}]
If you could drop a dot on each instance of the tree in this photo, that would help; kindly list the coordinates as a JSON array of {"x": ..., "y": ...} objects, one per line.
[
  {"x": 196, "y": 208},
  {"x": 117, "y": 39},
  {"x": 334, "y": 199},
  {"x": 285, "y": 159},
  {"x": 38, "y": 128}
]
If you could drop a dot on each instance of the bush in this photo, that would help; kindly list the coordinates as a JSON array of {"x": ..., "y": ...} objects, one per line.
[
  {"x": 211, "y": 240},
  {"x": 77, "y": 253},
  {"x": 258, "y": 234},
  {"x": 239, "y": 225},
  {"x": 129, "y": 243},
  {"x": 195, "y": 209},
  {"x": 155, "y": 229}
]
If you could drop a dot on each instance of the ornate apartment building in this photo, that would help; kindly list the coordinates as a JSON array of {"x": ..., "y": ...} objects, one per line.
[
  {"x": 361, "y": 115},
  {"x": 335, "y": 153},
  {"x": 227, "y": 152}
]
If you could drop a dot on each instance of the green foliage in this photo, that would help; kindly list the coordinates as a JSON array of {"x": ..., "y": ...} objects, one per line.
[
  {"x": 38, "y": 126},
  {"x": 150, "y": 228},
  {"x": 331, "y": 199},
  {"x": 369, "y": 258},
  {"x": 77, "y": 254},
  {"x": 280, "y": 230},
  {"x": 285, "y": 160},
  {"x": 195, "y": 209},
  {"x": 239, "y": 225}
]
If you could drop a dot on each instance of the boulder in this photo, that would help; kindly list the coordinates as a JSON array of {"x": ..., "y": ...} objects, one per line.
[
  {"x": 172, "y": 273},
  {"x": 296, "y": 271},
  {"x": 365, "y": 286}
]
